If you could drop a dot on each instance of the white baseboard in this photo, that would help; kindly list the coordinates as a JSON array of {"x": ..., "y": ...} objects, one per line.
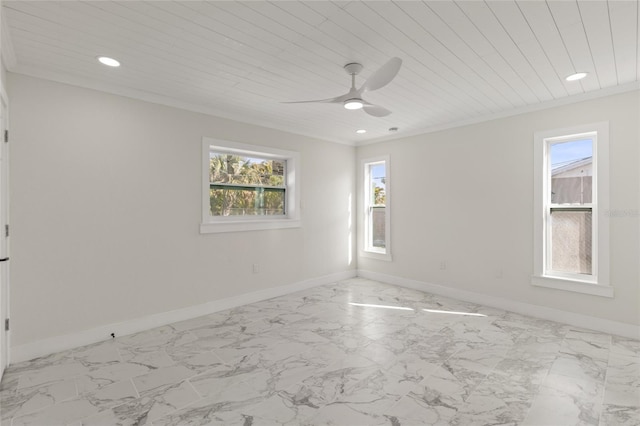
[
  {"x": 552, "y": 314},
  {"x": 61, "y": 343}
]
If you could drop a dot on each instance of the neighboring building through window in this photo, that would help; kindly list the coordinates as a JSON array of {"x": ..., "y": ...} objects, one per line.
[
  {"x": 377, "y": 208},
  {"x": 571, "y": 192},
  {"x": 248, "y": 187},
  {"x": 570, "y": 207}
]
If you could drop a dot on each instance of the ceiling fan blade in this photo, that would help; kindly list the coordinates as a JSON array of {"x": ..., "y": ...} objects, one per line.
[
  {"x": 336, "y": 100},
  {"x": 376, "y": 110},
  {"x": 382, "y": 76}
]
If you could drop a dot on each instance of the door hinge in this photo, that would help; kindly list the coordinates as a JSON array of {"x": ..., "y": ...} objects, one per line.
[
  {"x": 6, "y": 324},
  {"x": 6, "y": 230},
  {"x": 6, "y": 135}
]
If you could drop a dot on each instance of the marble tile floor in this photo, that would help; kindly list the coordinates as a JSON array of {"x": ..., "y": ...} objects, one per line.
[{"x": 356, "y": 352}]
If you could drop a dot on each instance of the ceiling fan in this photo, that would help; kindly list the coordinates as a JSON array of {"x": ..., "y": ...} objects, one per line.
[{"x": 353, "y": 99}]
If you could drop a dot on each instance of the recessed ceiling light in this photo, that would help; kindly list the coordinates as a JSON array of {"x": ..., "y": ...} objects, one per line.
[
  {"x": 108, "y": 61},
  {"x": 353, "y": 104},
  {"x": 576, "y": 76},
  {"x": 361, "y": 131}
]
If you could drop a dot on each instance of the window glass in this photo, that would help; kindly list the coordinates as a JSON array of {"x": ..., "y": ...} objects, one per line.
[
  {"x": 571, "y": 172},
  {"x": 378, "y": 205},
  {"x": 242, "y": 185},
  {"x": 571, "y": 241}
]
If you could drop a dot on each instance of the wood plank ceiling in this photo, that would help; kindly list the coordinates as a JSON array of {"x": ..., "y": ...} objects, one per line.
[{"x": 462, "y": 61}]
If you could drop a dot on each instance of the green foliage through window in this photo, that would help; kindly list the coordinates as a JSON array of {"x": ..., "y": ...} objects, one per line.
[{"x": 242, "y": 185}]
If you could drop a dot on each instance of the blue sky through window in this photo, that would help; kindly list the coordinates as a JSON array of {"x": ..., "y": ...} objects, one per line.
[
  {"x": 377, "y": 174},
  {"x": 568, "y": 152}
]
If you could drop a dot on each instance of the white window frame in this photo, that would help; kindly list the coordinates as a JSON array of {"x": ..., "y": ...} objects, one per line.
[
  {"x": 216, "y": 224},
  {"x": 367, "y": 248},
  {"x": 598, "y": 283}
]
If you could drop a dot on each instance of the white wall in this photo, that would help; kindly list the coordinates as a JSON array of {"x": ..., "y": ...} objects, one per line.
[
  {"x": 106, "y": 207},
  {"x": 465, "y": 197}
]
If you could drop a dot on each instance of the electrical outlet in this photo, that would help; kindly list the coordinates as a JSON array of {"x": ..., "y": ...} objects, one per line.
[
  {"x": 443, "y": 265},
  {"x": 255, "y": 268},
  {"x": 499, "y": 273}
]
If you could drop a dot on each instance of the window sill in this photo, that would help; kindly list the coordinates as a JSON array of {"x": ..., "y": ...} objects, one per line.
[
  {"x": 572, "y": 285},
  {"x": 248, "y": 225},
  {"x": 375, "y": 255}
]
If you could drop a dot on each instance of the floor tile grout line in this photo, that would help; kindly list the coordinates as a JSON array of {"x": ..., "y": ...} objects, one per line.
[
  {"x": 178, "y": 408},
  {"x": 604, "y": 387}
]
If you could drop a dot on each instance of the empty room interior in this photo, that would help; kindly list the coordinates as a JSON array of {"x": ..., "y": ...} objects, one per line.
[{"x": 320, "y": 213}]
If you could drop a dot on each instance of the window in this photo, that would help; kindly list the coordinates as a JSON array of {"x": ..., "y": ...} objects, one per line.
[
  {"x": 376, "y": 208},
  {"x": 571, "y": 189},
  {"x": 248, "y": 187}
]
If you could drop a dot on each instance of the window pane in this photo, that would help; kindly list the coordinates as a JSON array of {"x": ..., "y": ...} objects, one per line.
[
  {"x": 241, "y": 201},
  {"x": 571, "y": 248},
  {"x": 378, "y": 222},
  {"x": 237, "y": 169},
  {"x": 378, "y": 178},
  {"x": 377, "y": 202},
  {"x": 571, "y": 172}
]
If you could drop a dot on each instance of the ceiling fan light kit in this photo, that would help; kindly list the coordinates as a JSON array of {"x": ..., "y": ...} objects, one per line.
[
  {"x": 353, "y": 99},
  {"x": 353, "y": 104}
]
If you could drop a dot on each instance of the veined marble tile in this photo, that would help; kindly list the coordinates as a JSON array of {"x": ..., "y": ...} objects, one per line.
[
  {"x": 594, "y": 350},
  {"x": 98, "y": 355},
  {"x": 580, "y": 366},
  {"x": 292, "y": 407},
  {"x": 112, "y": 373},
  {"x": 148, "y": 359},
  {"x": 225, "y": 381},
  {"x": 260, "y": 351},
  {"x": 549, "y": 329},
  {"x": 602, "y": 339},
  {"x": 210, "y": 411},
  {"x": 492, "y": 334},
  {"x": 623, "y": 381},
  {"x": 538, "y": 344},
  {"x": 487, "y": 408},
  {"x": 615, "y": 415},
  {"x": 160, "y": 338},
  {"x": 510, "y": 326},
  {"x": 58, "y": 414},
  {"x": 194, "y": 357},
  {"x": 567, "y": 401},
  {"x": 420, "y": 410},
  {"x": 296, "y": 334},
  {"x": 145, "y": 410},
  {"x": 280, "y": 375},
  {"x": 626, "y": 347},
  {"x": 526, "y": 372},
  {"x": 161, "y": 378},
  {"x": 128, "y": 414},
  {"x": 481, "y": 358},
  {"x": 413, "y": 367},
  {"x": 36, "y": 364},
  {"x": 9, "y": 382},
  {"x": 50, "y": 374},
  {"x": 452, "y": 382},
  {"x": 349, "y": 414},
  {"x": 28, "y": 400},
  {"x": 112, "y": 395},
  {"x": 370, "y": 388},
  {"x": 503, "y": 396},
  {"x": 316, "y": 357}
]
